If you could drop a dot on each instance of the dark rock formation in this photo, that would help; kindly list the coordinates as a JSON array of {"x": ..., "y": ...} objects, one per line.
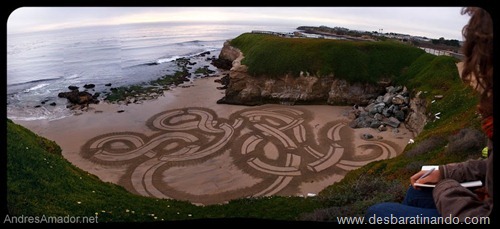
[
  {"x": 72, "y": 88},
  {"x": 79, "y": 97},
  {"x": 222, "y": 63},
  {"x": 89, "y": 86},
  {"x": 224, "y": 81},
  {"x": 107, "y": 85},
  {"x": 388, "y": 110},
  {"x": 205, "y": 53},
  {"x": 417, "y": 117}
]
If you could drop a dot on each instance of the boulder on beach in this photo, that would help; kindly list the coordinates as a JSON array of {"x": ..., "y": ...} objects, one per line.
[
  {"x": 89, "y": 86},
  {"x": 72, "y": 88},
  {"x": 78, "y": 97}
]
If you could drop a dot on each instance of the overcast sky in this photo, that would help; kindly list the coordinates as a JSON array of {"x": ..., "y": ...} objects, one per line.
[{"x": 432, "y": 22}]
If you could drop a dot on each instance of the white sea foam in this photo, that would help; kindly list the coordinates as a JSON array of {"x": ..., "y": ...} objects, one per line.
[
  {"x": 36, "y": 87},
  {"x": 41, "y": 113},
  {"x": 168, "y": 59},
  {"x": 74, "y": 76},
  {"x": 165, "y": 60}
]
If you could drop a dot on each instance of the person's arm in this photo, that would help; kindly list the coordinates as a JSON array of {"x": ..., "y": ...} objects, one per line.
[
  {"x": 453, "y": 199},
  {"x": 465, "y": 171}
]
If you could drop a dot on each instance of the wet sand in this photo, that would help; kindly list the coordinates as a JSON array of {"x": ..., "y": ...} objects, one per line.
[{"x": 185, "y": 146}]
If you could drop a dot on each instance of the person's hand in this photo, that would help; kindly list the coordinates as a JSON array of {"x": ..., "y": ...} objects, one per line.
[{"x": 432, "y": 178}]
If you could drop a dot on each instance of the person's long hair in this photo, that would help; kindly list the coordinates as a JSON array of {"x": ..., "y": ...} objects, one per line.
[{"x": 478, "y": 51}]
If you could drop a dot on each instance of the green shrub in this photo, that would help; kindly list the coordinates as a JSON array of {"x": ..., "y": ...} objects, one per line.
[
  {"x": 425, "y": 146},
  {"x": 354, "y": 196},
  {"x": 467, "y": 141}
]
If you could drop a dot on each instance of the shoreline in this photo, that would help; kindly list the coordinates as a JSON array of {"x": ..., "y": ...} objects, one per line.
[{"x": 242, "y": 151}]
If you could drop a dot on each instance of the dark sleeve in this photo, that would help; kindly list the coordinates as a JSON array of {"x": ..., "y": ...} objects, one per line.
[
  {"x": 465, "y": 171},
  {"x": 453, "y": 199}
]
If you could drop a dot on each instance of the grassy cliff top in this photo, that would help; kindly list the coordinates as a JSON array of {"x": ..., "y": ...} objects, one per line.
[{"x": 354, "y": 61}]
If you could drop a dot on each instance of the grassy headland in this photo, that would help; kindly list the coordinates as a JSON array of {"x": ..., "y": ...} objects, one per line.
[
  {"x": 353, "y": 61},
  {"x": 41, "y": 182}
]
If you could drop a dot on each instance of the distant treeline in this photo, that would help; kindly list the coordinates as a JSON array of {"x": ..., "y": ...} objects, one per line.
[
  {"x": 442, "y": 41},
  {"x": 328, "y": 30}
]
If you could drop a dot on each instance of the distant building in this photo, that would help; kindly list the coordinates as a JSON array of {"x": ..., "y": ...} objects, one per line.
[
  {"x": 443, "y": 53},
  {"x": 419, "y": 38}
]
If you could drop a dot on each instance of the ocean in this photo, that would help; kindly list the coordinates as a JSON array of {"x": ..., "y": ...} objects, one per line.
[{"x": 42, "y": 64}]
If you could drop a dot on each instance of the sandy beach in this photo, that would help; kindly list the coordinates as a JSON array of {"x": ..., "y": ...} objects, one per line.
[{"x": 185, "y": 146}]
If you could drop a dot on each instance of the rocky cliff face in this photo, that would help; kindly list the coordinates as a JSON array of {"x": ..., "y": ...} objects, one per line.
[
  {"x": 244, "y": 89},
  {"x": 417, "y": 118}
]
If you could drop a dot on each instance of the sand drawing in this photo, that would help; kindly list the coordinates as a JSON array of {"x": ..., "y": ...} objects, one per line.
[{"x": 194, "y": 155}]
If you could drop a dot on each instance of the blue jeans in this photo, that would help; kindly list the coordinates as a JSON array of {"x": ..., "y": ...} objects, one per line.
[{"x": 416, "y": 203}]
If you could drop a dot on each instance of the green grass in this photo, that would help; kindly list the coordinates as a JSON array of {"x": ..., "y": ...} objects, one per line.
[
  {"x": 41, "y": 182},
  {"x": 439, "y": 76},
  {"x": 354, "y": 61}
]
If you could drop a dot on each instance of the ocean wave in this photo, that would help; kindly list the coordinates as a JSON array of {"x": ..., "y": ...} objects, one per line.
[
  {"x": 35, "y": 81},
  {"x": 191, "y": 42},
  {"x": 41, "y": 113},
  {"x": 74, "y": 76},
  {"x": 35, "y": 87},
  {"x": 172, "y": 58},
  {"x": 168, "y": 59},
  {"x": 42, "y": 117},
  {"x": 160, "y": 44}
]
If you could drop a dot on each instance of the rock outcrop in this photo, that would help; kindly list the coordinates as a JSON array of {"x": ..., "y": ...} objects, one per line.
[
  {"x": 417, "y": 118},
  {"x": 79, "y": 98},
  {"x": 388, "y": 110}
]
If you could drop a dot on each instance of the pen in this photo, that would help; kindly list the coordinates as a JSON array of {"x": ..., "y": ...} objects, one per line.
[{"x": 427, "y": 173}]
